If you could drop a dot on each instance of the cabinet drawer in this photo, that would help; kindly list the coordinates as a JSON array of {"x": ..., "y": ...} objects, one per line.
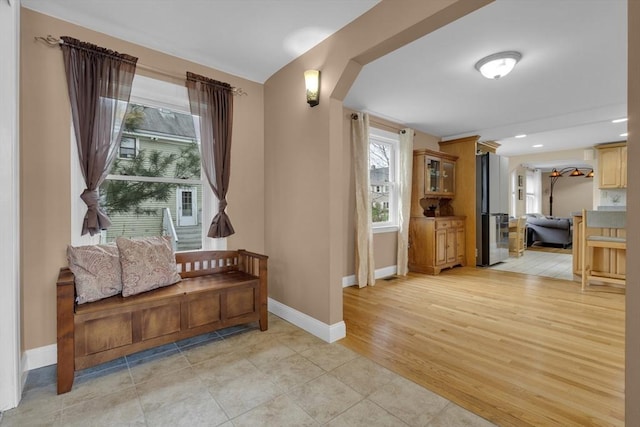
[
  {"x": 440, "y": 224},
  {"x": 458, "y": 223}
]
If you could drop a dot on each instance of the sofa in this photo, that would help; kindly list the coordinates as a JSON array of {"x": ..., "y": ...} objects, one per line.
[{"x": 549, "y": 230}]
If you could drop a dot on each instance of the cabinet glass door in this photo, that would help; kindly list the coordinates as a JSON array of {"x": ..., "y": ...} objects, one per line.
[
  {"x": 432, "y": 175},
  {"x": 447, "y": 177}
]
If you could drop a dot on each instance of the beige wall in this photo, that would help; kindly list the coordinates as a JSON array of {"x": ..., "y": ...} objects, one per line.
[
  {"x": 570, "y": 194},
  {"x": 45, "y": 162}
]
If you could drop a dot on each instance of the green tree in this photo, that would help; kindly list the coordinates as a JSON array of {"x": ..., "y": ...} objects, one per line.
[
  {"x": 188, "y": 164},
  {"x": 128, "y": 196}
]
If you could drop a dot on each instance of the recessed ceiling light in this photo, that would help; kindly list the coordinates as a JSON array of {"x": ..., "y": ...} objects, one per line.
[
  {"x": 522, "y": 135},
  {"x": 624, "y": 134},
  {"x": 624, "y": 119},
  {"x": 537, "y": 146}
]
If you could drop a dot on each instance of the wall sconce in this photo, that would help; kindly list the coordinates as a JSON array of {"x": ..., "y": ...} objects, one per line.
[{"x": 312, "y": 82}]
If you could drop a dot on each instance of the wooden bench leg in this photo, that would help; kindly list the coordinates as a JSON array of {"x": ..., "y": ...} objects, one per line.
[
  {"x": 264, "y": 321},
  {"x": 66, "y": 350}
]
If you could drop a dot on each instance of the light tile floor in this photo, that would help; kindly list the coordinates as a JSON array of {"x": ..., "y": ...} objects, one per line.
[
  {"x": 539, "y": 263},
  {"x": 237, "y": 377}
]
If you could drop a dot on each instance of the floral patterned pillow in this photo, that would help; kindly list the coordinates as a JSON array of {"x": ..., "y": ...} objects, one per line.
[
  {"x": 97, "y": 271},
  {"x": 147, "y": 263}
]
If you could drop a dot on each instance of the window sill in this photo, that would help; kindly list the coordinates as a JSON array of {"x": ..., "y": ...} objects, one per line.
[{"x": 385, "y": 229}]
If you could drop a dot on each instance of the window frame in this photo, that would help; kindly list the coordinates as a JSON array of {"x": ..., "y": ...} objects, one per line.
[
  {"x": 136, "y": 147},
  {"x": 391, "y": 140}
]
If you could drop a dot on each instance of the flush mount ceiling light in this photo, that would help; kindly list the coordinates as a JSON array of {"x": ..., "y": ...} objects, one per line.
[{"x": 498, "y": 65}]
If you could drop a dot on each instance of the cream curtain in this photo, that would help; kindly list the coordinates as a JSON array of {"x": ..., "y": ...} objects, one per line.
[
  {"x": 365, "y": 268},
  {"x": 405, "y": 153}
]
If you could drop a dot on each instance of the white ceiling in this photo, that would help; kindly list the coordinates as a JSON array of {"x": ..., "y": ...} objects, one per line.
[
  {"x": 569, "y": 85},
  {"x": 247, "y": 38},
  {"x": 564, "y": 92}
]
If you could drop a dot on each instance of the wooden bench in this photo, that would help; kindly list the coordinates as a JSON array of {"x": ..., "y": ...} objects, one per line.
[{"x": 218, "y": 289}]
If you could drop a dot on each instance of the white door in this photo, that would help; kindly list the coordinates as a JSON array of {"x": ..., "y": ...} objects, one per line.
[{"x": 187, "y": 208}]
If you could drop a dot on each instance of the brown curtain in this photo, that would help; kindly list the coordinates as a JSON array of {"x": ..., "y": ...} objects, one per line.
[
  {"x": 99, "y": 82},
  {"x": 212, "y": 101}
]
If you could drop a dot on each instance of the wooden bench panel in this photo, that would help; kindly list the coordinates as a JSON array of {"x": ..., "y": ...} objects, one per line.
[
  {"x": 241, "y": 302},
  {"x": 202, "y": 309},
  {"x": 159, "y": 321},
  {"x": 96, "y": 335}
]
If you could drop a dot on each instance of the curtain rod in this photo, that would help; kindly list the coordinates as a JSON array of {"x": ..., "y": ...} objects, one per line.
[
  {"x": 372, "y": 120},
  {"x": 53, "y": 42}
]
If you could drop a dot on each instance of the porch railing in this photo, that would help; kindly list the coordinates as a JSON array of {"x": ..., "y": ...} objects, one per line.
[{"x": 168, "y": 229}]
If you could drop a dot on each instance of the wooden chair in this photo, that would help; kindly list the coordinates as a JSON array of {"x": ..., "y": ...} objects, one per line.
[
  {"x": 517, "y": 236},
  {"x": 610, "y": 235}
]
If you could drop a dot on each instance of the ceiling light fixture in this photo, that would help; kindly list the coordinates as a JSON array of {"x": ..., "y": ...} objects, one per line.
[
  {"x": 498, "y": 65},
  {"x": 624, "y": 119},
  {"x": 537, "y": 146},
  {"x": 624, "y": 134},
  {"x": 522, "y": 135}
]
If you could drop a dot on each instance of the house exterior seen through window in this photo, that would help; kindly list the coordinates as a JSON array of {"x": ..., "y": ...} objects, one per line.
[
  {"x": 154, "y": 186},
  {"x": 383, "y": 157}
]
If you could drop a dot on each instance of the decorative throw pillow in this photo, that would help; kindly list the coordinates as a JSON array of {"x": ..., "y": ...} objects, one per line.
[
  {"x": 97, "y": 271},
  {"x": 147, "y": 263}
]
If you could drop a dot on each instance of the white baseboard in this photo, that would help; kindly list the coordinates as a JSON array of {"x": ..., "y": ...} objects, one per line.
[
  {"x": 379, "y": 274},
  {"x": 328, "y": 333},
  {"x": 39, "y": 357}
]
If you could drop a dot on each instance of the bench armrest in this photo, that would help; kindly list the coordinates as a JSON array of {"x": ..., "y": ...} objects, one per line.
[{"x": 256, "y": 264}]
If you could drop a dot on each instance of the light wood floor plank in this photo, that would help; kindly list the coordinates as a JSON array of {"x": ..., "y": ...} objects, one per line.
[{"x": 516, "y": 349}]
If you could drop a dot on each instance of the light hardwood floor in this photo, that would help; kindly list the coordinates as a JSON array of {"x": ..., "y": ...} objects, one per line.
[{"x": 516, "y": 349}]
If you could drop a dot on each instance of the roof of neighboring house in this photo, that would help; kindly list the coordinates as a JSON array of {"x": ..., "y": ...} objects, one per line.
[{"x": 163, "y": 121}]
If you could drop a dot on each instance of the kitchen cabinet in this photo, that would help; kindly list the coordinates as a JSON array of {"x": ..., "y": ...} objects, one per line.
[
  {"x": 612, "y": 166},
  {"x": 436, "y": 243},
  {"x": 433, "y": 178},
  {"x": 606, "y": 261}
]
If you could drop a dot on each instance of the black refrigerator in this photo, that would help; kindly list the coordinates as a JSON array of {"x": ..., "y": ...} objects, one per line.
[{"x": 492, "y": 207}]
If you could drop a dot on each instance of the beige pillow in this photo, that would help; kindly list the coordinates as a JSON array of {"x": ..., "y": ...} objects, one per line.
[
  {"x": 147, "y": 263},
  {"x": 97, "y": 271}
]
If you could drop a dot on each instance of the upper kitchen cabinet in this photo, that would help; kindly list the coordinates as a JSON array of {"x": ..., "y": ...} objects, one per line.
[{"x": 612, "y": 166}]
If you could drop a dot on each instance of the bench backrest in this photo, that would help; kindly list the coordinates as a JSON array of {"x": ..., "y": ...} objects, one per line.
[{"x": 200, "y": 263}]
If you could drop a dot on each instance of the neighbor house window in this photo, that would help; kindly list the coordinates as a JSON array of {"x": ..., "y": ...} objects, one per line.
[
  {"x": 383, "y": 157},
  {"x": 128, "y": 147},
  {"x": 155, "y": 186}
]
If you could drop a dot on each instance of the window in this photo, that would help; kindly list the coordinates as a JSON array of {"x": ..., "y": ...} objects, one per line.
[
  {"x": 155, "y": 186},
  {"x": 128, "y": 147},
  {"x": 383, "y": 157},
  {"x": 533, "y": 191}
]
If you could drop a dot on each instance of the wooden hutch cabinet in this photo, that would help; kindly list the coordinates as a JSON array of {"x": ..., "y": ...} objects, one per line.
[
  {"x": 436, "y": 243},
  {"x": 436, "y": 236}
]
